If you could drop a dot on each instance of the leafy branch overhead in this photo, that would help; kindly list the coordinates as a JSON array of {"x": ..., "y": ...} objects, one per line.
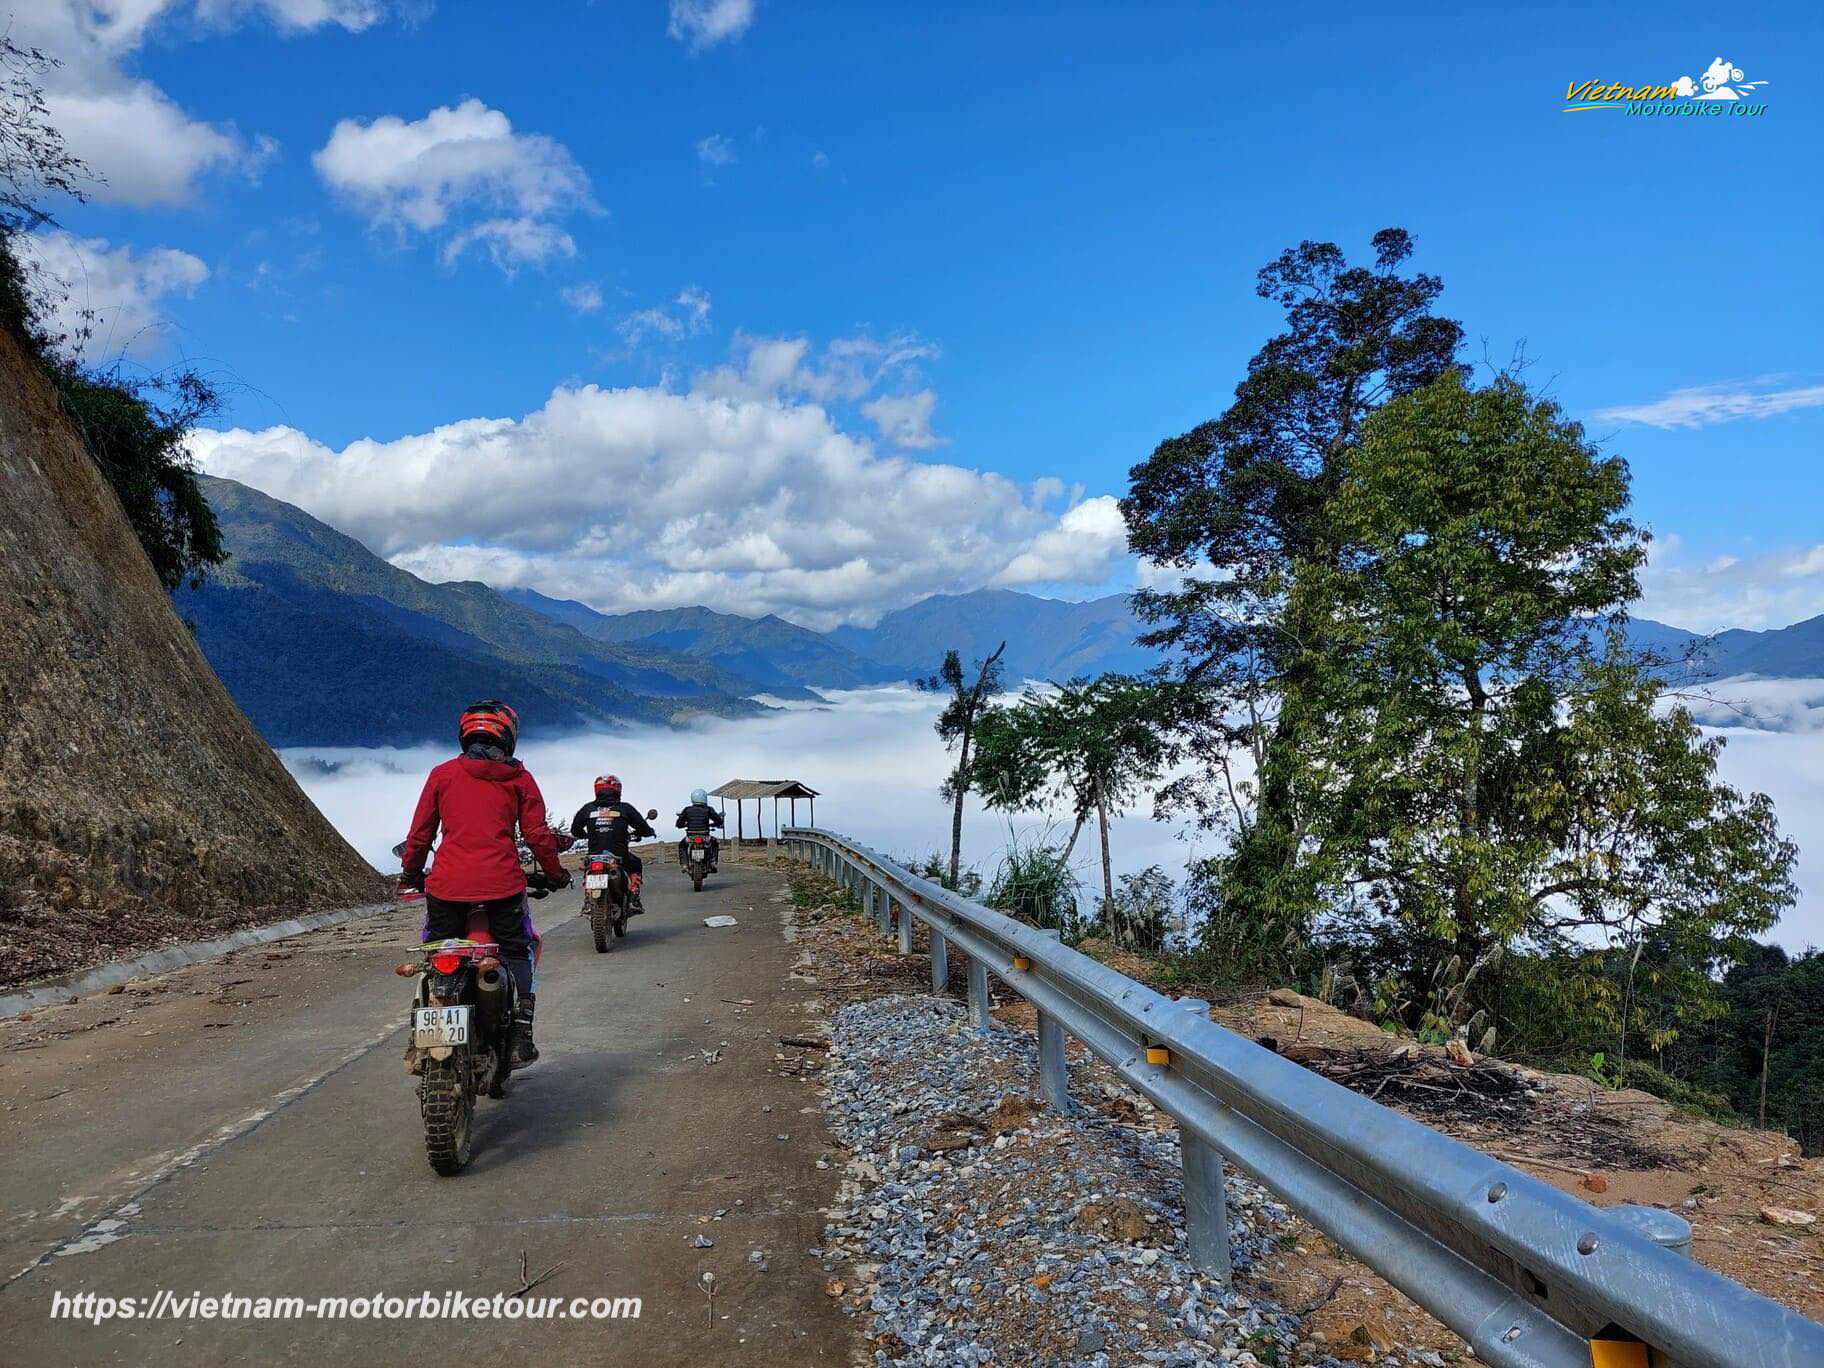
[{"x": 135, "y": 428}]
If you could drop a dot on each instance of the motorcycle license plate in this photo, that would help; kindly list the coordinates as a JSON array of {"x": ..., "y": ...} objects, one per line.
[
  {"x": 440, "y": 1026},
  {"x": 697, "y": 853},
  {"x": 595, "y": 883}
]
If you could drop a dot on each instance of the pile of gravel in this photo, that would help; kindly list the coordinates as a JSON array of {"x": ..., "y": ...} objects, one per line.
[{"x": 975, "y": 1229}]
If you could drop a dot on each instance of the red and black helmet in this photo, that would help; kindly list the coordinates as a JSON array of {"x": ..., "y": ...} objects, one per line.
[
  {"x": 607, "y": 786},
  {"x": 489, "y": 721}
]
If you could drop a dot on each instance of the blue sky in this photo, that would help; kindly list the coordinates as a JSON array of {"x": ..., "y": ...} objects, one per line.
[{"x": 851, "y": 279}]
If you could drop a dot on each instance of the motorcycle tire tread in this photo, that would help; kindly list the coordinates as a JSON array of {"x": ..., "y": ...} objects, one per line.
[{"x": 449, "y": 1129}]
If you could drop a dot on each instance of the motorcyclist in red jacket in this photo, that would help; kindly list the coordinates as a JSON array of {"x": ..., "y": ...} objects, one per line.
[{"x": 481, "y": 799}]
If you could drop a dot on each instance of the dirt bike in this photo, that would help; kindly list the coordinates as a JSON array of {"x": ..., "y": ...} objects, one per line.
[
  {"x": 462, "y": 1022},
  {"x": 699, "y": 860},
  {"x": 607, "y": 898}
]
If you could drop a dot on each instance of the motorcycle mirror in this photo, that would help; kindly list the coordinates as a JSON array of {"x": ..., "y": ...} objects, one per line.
[{"x": 651, "y": 813}]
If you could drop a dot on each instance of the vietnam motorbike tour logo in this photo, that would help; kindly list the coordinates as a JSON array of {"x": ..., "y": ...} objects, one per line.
[{"x": 1723, "y": 91}]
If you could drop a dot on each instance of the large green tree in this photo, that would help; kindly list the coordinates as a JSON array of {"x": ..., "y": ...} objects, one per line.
[
  {"x": 1481, "y": 757},
  {"x": 1236, "y": 505},
  {"x": 1089, "y": 744}
]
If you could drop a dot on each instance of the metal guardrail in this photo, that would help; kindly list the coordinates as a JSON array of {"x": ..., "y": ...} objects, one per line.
[{"x": 1529, "y": 1276}]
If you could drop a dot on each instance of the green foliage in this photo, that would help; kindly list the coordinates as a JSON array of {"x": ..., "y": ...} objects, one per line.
[
  {"x": 935, "y": 867},
  {"x": 1239, "y": 504},
  {"x": 1140, "y": 915},
  {"x": 1036, "y": 884},
  {"x": 1235, "y": 946},
  {"x": 134, "y": 429},
  {"x": 1090, "y": 744},
  {"x": 970, "y": 705},
  {"x": 1772, "y": 1019}
]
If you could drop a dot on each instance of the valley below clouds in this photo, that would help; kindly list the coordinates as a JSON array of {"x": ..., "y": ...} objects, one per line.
[{"x": 872, "y": 756}]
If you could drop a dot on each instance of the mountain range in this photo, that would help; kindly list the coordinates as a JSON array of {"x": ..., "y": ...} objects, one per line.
[{"x": 322, "y": 642}]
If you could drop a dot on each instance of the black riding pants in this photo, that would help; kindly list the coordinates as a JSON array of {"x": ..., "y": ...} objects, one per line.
[{"x": 509, "y": 922}]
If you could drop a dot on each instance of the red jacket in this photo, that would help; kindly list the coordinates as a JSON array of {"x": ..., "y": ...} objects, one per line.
[{"x": 478, "y": 803}]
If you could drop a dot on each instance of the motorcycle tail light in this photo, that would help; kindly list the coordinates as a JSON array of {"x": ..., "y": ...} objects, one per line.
[
  {"x": 597, "y": 867},
  {"x": 446, "y": 963}
]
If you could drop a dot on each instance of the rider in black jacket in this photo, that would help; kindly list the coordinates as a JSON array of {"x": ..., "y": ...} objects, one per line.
[
  {"x": 607, "y": 822},
  {"x": 696, "y": 820}
]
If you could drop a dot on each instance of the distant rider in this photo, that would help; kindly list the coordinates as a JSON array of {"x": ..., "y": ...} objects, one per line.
[
  {"x": 696, "y": 820},
  {"x": 479, "y": 799},
  {"x": 607, "y": 822}
]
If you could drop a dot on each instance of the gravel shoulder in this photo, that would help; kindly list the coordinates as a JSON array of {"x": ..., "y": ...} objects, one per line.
[{"x": 975, "y": 1227}]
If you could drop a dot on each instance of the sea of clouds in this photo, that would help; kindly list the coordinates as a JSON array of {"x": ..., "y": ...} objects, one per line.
[{"x": 876, "y": 763}]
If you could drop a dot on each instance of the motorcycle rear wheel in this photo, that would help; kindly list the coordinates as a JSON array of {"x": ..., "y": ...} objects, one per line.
[
  {"x": 598, "y": 923},
  {"x": 696, "y": 882},
  {"x": 449, "y": 1115}
]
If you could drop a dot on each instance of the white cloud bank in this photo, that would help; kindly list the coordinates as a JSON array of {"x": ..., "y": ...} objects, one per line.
[
  {"x": 112, "y": 292},
  {"x": 1701, "y": 406},
  {"x": 146, "y": 147},
  {"x": 700, "y": 24},
  {"x": 462, "y": 174},
  {"x": 877, "y": 766},
  {"x": 741, "y": 493}
]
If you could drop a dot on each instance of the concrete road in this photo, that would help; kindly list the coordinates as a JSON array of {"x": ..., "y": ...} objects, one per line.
[{"x": 246, "y": 1127}]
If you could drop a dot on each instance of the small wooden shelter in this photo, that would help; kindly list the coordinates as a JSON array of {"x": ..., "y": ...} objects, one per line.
[{"x": 758, "y": 791}]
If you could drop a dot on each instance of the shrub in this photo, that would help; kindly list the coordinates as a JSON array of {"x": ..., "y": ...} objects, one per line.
[{"x": 1035, "y": 884}]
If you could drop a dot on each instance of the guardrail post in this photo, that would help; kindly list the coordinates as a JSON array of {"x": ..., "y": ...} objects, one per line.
[
  {"x": 905, "y": 928},
  {"x": 1054, "y": 1070},
  {"x": 978, "y": 996},
  {"x": 940, "y": 962},
  {"x": 883, "y": 908},
  {"x": 1206, "y": 1209}
]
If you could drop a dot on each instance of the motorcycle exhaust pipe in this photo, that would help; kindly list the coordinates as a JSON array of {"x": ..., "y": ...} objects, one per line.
[{"x": 491, "y": 1000}]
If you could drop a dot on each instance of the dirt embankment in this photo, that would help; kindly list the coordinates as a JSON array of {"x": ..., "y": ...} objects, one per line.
[{"x": 137, "y": 803}]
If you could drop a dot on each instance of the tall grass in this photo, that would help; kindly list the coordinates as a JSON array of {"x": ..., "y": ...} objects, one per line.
[{"x": 1036, "y": 885}]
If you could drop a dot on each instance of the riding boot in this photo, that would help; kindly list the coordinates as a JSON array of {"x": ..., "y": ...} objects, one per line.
[
  {"x": 634, "y": 906},
  {"x": 525, "y": 1052}
]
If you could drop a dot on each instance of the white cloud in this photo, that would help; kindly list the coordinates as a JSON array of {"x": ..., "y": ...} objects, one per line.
[
  {"x": 716, "y": 150},
  {"x": 651, "y": 497},
  {"x": 1086, "y": 542},
  {"x": 147, "y": 149},
  {"x": 511, "y": 243},
  {"x": 585, "y": 298},
  {"x": 1772, "y": 589},
  {"x": 849, "y": 369},
  {"x": 820, "y": 161},
  {"x": 1700, "y": 406},
  {"x": 119, "y": 288},
  {"x": 700, "y": 24},
  {"x": 685, "y": 316},
  {"x": 461, "y": 172},
  {"x": 905, "y": 419}
]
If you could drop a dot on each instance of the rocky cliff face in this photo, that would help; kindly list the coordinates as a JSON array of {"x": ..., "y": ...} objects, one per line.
[{"x": 137, "y": 803}]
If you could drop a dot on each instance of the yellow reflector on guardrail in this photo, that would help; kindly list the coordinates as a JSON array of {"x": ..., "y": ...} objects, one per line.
[
  {"x": 1617, "y": 1354},
  {"x": 1158, "y": 1054},
  {"x": 1021, "y": 962}
]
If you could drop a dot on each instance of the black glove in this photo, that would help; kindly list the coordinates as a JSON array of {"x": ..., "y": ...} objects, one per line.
[
  {"x": 562, "y": 880},
  {"x": 414, "y": 882}
]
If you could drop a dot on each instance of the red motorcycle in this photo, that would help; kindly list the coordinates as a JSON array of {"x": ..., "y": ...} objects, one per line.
[{"x": 462, "y": 1033}]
